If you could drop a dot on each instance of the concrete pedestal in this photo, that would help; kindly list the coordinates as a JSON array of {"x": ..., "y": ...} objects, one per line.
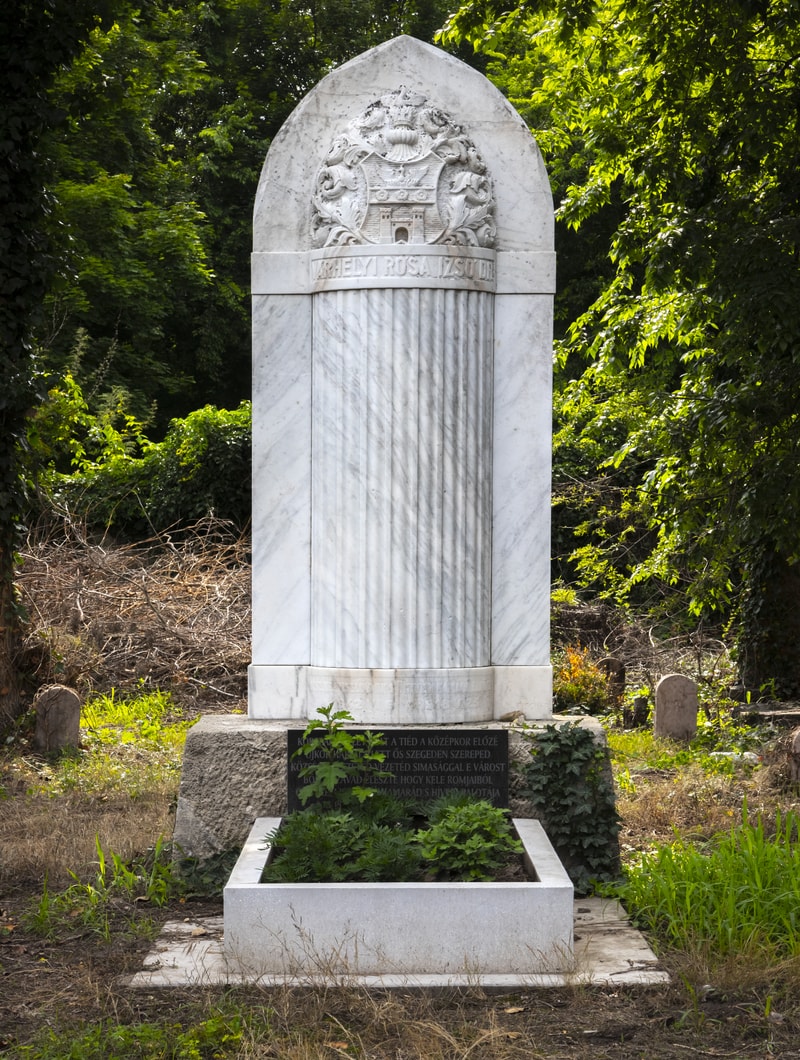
[{"x": 235, "y": 770}]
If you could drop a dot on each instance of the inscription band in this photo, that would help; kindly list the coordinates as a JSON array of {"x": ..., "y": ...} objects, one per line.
[
  {"x": 403, "y": 265},
  {"x": 517, "y": 272},
  {"x": 426, "y": 764}
]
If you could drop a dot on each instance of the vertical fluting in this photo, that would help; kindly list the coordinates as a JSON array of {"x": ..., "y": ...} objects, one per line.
[{"x": 401, "y": 491}]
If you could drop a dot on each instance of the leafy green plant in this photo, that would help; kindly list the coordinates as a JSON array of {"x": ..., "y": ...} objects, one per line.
[
  {"x": 343, "y": 764},
  {"x": 722, "y": 731},
  {"x": 333, "y": 846},
  {"x": 579, "y": 685},
  {"x": 205, "y": 877},
  {"x": 218, "y": 1035},
  {"x": 467, "y": 840},
  {"x": 568, "y": 781},
  {"x": 349, "y": 830},
  {"x": 122, "y": 481}
]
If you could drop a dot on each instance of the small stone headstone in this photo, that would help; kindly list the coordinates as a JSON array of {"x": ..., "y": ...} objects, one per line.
[
  {"x": 58, "y": 715},
  {"x": 614, "y": 669},
  {"x": 676, "y": 708},
  {"x": 794, "y": 756}
]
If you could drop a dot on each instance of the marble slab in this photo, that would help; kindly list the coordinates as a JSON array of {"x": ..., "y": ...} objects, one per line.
[{"x": 403, "y": 274}]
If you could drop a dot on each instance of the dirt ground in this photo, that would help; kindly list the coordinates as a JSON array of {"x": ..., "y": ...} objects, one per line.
[
  {"x": 135, "y": 618},
  {"x": 78, "y": 981}
]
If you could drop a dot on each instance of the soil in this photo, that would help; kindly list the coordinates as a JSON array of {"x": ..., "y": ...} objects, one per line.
[{"x": 77, "y": 982}]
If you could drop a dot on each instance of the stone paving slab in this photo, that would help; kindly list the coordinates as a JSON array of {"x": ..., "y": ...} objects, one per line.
[{"x": 608, "y": 952}]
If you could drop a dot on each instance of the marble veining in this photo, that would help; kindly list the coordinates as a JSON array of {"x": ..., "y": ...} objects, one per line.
[
  {"x": 401, "y": 486},
  {"x": 403, "y": 273},
  {"x": 281, "y": 520}
]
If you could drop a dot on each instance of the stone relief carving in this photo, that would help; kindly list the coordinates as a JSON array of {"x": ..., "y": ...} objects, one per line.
[{"x": 403, "y": 172}]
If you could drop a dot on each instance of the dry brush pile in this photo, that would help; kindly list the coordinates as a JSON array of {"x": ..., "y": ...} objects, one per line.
[{"x": 171, "y": 613}]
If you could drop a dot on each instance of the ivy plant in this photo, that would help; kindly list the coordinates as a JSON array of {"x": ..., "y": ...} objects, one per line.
[{"x": 568, "y": 781}]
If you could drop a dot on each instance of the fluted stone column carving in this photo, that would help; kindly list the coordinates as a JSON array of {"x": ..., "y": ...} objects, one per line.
[
  {"x": 403, "y": 257},
  {"x": 401, "y": 478}
]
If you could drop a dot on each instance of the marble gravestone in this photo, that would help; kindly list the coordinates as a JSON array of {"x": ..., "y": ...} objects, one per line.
[
  {"x": 402, "y": 283},
  {"x": 402, "y": 280}
]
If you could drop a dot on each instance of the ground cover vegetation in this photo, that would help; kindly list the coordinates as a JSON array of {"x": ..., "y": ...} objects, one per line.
[
  {"x": 708, "y": 840},
  {"x": 349, "y": 829}
]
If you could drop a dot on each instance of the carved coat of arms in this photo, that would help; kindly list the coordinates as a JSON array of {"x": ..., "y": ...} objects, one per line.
[{"x": 403, "y": 172}]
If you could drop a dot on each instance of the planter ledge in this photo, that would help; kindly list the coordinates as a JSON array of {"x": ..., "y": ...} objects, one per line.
[{"x": 343, "y": 929}]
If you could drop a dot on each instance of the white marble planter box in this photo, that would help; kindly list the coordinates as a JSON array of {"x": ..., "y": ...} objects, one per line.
[{"x": 342, "y": 929}]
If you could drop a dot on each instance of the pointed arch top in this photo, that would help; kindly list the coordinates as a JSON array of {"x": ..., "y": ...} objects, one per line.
[{"x": 283, "y": 216}]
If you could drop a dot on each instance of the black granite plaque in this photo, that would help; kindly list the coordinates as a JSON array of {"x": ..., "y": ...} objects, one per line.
[{"x": 427, "y": 763}]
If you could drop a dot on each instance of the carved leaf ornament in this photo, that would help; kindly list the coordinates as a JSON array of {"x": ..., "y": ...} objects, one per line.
[{"x": 403, "y": 172}]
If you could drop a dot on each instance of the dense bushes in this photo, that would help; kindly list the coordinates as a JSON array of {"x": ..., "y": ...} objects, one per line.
[{"x": 101, "y": 468}]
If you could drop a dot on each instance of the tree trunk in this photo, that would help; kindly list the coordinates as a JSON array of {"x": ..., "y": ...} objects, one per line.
[
  {"x": 11, "y": 704},
  {"x": 769, "y": 641}
]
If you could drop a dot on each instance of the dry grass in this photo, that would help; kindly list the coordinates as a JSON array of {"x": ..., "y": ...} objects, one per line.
[
  {"x": 47, "y": 837},
  {"x": 699, "y": 805},
  {"x": 607, "y": 631},
  {"x": 175, "y": 615},
  {"x": 690, "y": 801}
]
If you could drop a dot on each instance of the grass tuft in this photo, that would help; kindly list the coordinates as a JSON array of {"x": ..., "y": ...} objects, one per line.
[{"x": 737, "y": 894}]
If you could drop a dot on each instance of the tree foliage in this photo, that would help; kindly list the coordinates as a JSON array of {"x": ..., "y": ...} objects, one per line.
[
  {"x": 133, "y": 133},
  {"x": 101, "y": 468},
  {"x": 169, "y": 111},
  {"x": 671, "y": 131},
  {"x": 37, "y": 39}
]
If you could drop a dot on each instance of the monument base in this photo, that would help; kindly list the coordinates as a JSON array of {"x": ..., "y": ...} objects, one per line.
[
  {"x": 458, "y": 696},
  {"x": 235, "y": 769}
]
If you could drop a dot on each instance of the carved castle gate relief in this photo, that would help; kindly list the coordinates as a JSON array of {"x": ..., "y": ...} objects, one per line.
[{"x": 402, "y": 291}]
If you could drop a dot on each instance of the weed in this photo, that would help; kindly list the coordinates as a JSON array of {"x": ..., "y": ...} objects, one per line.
[
  {"x": 738, "y": 894},
  {"x": 469, "y": 840},
  {"x": 722, "y": 747},
  {"x": 93, "y": 903},
  {"x": 579, "y": 685},
  {"x": 206, "y": 877},
  {"x": 344, "y": 764},
  {"x": 216, "y": 1036},
  {"x": 131, "y": 745}
]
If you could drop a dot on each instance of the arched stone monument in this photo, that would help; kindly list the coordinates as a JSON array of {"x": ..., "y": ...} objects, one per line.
[
  {"x": 403, "y": 274},
  {"x": 403, "y": 278}
]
